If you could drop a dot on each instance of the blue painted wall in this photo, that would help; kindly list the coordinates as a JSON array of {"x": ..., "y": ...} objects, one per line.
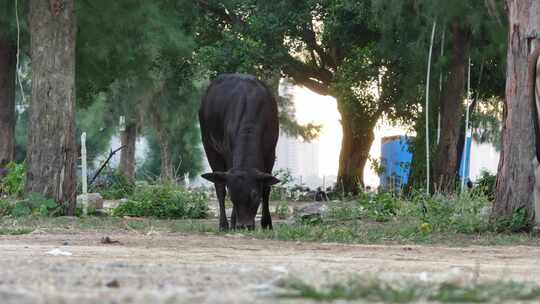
[
  {"x": 396, "y": 159},
  {"x": 466, "y": 160}
]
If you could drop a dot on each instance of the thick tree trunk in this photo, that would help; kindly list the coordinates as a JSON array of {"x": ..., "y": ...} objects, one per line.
[
  {"x": 515, "y": 178},
  {"x": 51, "y": 153},
  {"x": 7, "y": 100},
  {"x": 446, "y": 161},
  {"x": 127, "y": 156},
  {"x": 355, "y": 145}
]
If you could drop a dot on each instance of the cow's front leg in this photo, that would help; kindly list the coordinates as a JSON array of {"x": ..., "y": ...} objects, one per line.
[
  {"x": 266, "y": 219},
  {"x": 221, "y": 192}
]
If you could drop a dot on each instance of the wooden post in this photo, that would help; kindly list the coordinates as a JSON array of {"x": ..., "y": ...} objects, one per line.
[{"x": 84, "y": 175}]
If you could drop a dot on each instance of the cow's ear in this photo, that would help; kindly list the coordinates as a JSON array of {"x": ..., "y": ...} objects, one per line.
[
  {"x": 267, "y": 179},
  {"x": 216, "y": 177}
]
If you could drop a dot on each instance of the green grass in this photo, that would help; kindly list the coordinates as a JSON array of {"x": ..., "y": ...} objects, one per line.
[
  {"x": 370, "y": 219},
  {"x": 15, "y": 231},
  {"x": 373, "y": 290}
]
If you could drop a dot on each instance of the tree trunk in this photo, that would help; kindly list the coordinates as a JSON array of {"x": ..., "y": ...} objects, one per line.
[
  {"x": 167, "y": 170},
  {"x": 127, "y": 156},
  {"x": 515, "y": 178},
  {"x": 447, "y": 162},
  {"x": 51, "y": 153},
  {"x": 355, "y": 145},
  {"x": 7, "y": 100}
]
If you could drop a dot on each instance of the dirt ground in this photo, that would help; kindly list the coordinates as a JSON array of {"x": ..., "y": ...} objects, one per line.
[{"x": 177, "y": 268}]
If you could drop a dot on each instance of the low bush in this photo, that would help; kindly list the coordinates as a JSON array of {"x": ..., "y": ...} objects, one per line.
[
  {"x": 114, "y": 186},
  {"x": 486, "y": 185},
  {"x": 164, "y": 201},
  {"x": 13, "y": 183},
  {"x": 35, "y": 204},
  {"x": 5, "y": 207}
]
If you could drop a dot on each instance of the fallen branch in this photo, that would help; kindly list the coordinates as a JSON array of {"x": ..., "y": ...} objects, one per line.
[{"x": 111, "y": 154}]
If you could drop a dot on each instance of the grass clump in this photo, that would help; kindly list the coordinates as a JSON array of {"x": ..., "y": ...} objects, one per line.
[
  {"x": 15, "y": 231},
  {"x": 164, "y": 201},
  {"x": 374, "y": 290}
]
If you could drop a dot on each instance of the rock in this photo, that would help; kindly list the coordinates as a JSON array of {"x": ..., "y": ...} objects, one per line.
[
  {"x": 113, "y": 284},
  {"x": 309, "y": 212},
  {"x": 95, "y": 201}
]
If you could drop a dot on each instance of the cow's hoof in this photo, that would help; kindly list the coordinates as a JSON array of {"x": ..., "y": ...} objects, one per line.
[{"x": 266, "y": 226}]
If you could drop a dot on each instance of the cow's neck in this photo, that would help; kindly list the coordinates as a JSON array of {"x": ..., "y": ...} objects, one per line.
[{"x": 246, "y": 151}]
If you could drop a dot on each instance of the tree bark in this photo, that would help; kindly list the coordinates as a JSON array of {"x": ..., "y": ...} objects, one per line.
[
  {"x": 447, "y": 162},
  {"x": 357, "y": 139},
  {"x": 51, "y": 153},
  {"x": 515, "y": 178},
  {"x": 167, "y": 170},
  {"x": 7, "y": 100},
  {"x": 128, "y": 139}
]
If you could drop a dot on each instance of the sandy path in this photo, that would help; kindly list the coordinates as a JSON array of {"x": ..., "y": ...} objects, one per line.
[{"x": 175, "y": 268}]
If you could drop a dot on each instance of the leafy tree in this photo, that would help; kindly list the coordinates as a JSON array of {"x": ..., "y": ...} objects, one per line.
[
  {"x": 472, "y": 30},
  {"x": 130, "y": 54},
  {"x": 326, "y": 46}
]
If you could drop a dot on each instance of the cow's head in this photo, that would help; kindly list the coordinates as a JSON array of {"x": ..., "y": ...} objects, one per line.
[{"x": 245, "y": 189}]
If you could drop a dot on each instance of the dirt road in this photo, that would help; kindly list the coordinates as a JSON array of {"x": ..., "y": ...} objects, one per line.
[{"x": 176, "y": 268}]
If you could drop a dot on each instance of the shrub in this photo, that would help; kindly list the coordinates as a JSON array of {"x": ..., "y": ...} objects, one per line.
[
  {"x": 164, "y": 201},
  {"x": 461, "y": 214},
  {"x": 380, "y": 207},
  {"x": 5, "y": 207},
  {"x": 13, "y": 182},
  {"x": 35, "y": 204},
  {"x": 486, "y": 185},
  {"x": 116, "y": 186},
  {"x": 517, "y": 222}
]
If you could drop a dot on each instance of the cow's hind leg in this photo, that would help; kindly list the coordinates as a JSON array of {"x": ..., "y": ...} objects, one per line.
[
  {"x": 221, "y": 192},
  {"x": 266, "y": 219}
]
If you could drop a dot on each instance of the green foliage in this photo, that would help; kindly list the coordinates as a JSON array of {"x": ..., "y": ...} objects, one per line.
[
  {"x": 164, "y": 201},
  {"x": 376, "y": 290},
  {"x": 116, "y": 188},
  {"x": 380, "y": 207},
  {"x": 517, "y": 222},
  {"x": 35, "y": 204},
  {"x": 13, "y": 182},
  {"x": 6, "y": 207},
  {"x": 485, "y": 184},
  {"x": 282, "y": 210}
]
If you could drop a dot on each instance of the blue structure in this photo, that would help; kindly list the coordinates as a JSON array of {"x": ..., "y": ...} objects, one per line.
[
  {"x": 396, "y": 161},
  {"x": 466, "y": 160}
]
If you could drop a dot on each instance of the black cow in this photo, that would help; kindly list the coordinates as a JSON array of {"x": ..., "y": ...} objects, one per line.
[{"x": 239, "y": 128}]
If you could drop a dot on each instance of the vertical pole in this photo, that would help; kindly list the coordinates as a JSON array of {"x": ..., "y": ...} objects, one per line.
[
  {"x": 84, "y": 174},
  {"x": 464, "y": 154},
  {"x": 427, "y": 107},
  {"x": 440, "y": 91}
]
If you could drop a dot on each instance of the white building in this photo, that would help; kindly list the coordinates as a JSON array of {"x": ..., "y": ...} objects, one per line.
[{"x": 300, "y": 158}]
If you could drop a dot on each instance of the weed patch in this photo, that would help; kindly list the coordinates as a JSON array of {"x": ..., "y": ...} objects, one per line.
[
  {"x": 373, "y": 290},
  {"x": 162, "y": 201}
]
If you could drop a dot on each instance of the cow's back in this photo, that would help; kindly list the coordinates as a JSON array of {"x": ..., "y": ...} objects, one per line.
[{"x": 235, "y": 104}]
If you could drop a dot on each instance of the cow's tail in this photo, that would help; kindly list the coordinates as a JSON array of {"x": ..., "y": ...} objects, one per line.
[{"x": 533, "y": 61}]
